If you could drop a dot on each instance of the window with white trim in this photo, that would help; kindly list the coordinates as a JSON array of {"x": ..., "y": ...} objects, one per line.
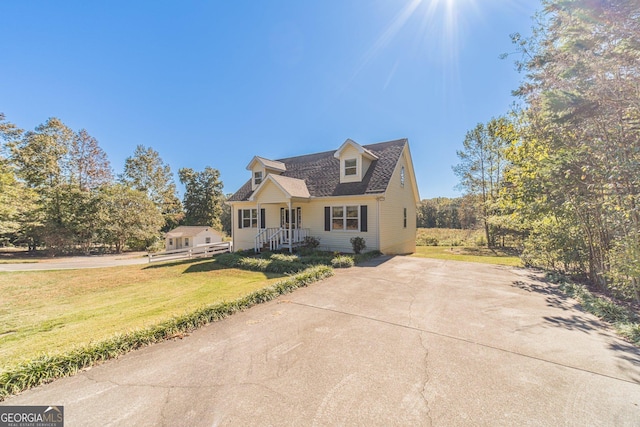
[
  {"x": 346, "y": 218},
  {"x": 207, "y": 240},
  {"x": 350, "y": 167},
  {"x": 402, "y": 177},
  {"x": 257, "y": 178},
  {"x": 249, "y": 218}
]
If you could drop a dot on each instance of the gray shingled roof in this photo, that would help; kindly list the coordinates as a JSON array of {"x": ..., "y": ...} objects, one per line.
[{"x": 321, "y": 172}]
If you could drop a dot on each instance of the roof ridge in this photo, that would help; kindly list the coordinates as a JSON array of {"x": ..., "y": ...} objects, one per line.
[{"x": 368, "y": 146}]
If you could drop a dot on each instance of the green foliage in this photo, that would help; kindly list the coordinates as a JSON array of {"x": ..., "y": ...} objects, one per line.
[
  {"x": 442, "y": 212},
  {"x": 145, "y": 171},
  {"x": 311, "y": 242},
  {"x": 481, "y": 168},
  {"x": 228, "y": 259},
  {"x": 203, "y": 198},
  {"x": 46, "y": 368},
  {"x": 358, "y": 244},
  {"x": 317, "y": 258},
  {"x": 127, "y": 215},
  {"x": 342, "y": 261},
  {"x": 574, "y": 168}
]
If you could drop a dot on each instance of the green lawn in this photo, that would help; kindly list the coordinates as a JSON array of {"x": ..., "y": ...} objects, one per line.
[
  {"x": 469, "y": 254},
  {"x": 53, "y": 311}
]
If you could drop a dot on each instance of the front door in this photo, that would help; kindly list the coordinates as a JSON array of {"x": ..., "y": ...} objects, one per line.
[{"x": 296, "y": 220}]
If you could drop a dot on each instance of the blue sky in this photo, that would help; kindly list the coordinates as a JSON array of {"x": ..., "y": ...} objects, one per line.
[{"x": 213, "y": 83}]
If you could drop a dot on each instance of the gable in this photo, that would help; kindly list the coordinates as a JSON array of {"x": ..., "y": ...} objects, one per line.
[{"x": 275, "y": 187}]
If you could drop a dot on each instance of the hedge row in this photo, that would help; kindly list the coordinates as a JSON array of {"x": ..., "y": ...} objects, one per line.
[{"x": 48, "y": 367}]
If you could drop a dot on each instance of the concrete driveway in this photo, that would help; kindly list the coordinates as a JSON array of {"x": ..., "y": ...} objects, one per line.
[{"x": 402, "y": 341}]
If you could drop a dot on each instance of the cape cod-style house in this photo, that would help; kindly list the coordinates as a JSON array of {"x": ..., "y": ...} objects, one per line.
[{"x": 368, "y": 191}]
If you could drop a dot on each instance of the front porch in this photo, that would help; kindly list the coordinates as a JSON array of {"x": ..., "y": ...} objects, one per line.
[{"x": 274, "y": 239}]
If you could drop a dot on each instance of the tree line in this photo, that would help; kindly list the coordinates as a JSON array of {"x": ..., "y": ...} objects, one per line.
[
  {"x": 562, "y": 169},
  {"x": 58, "y": 191},
  {"x": 444, "y": 212}
]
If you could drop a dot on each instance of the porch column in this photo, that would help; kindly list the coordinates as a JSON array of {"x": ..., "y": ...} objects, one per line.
[
  {"x": 258, "y": 244},
  {"x": 290, "y": 236},
  {"x": 259, "y": 218}
]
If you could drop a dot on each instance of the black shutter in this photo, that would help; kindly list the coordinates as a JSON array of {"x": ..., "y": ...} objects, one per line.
[
  {"x": 263, "y": 221},
  {"x": 363, "y": 218},
  {"x": 327, "y": 218},
  {"x": 239, "y": 218}
]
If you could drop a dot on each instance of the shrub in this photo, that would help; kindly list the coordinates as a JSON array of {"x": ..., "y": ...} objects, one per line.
[
  {"x": 311, "y": 242},
  {"x": 342, "y": 261},
  {"x": 317, "y": 258},
  {"x": 358, "y": 244},
  {"x": 284, "y": 267},
  {"x": 366, "y": 256},
  {"x": 254, "y": 264},
  {"x": 285, "y": 258},
  {"x": 430, "y": 241},
  {"x": 228, "y": 260}
]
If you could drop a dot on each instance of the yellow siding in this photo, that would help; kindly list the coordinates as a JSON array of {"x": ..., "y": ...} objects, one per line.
[
  {"x": 351, "y": 153},
  {"x": 394, "y": 238},
  {"x": 313, "y": 218},
  {"x": 270, "y": 193},
  {"x": 385, "y": 219}
]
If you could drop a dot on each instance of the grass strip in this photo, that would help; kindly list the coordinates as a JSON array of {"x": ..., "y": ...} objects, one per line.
[
  {"x": 625, "y": 321},
  {"x": 46, "y": 368}
]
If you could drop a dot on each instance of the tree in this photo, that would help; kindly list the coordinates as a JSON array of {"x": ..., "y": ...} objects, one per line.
[
  {"x": 482, "y": 167},
  {"x": 203, "y": 197},
  {"x": 126, "y": 215},
  {"x": 15, "y": 199},
  {"x": 90, "y": 167},
  {"x": 577, "y": 163},
  {"x": 41, "y": 155},
  {"x": 225, "y": 216},
  {"x": 145, "y": 171}
]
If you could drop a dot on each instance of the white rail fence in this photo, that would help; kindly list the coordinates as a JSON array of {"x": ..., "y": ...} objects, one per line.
[{"x": 194, "y": 252}]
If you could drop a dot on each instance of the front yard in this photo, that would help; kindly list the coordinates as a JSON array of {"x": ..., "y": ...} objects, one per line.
[{"x": 54, "y": 311}]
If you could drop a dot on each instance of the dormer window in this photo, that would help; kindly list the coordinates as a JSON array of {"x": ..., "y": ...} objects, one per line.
[
  {"x": 350, "y": 167},
  {"x": 257, "y": 178}
]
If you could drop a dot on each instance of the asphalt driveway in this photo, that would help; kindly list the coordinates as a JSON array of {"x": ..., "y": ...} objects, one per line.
[{"x": 402, "y": 341}]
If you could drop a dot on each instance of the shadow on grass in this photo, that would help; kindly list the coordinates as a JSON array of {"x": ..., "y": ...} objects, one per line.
[{"x": 166, "y": 264}]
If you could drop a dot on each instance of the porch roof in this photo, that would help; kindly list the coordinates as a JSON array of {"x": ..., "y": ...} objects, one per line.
[{"x": 291, "y": 187}]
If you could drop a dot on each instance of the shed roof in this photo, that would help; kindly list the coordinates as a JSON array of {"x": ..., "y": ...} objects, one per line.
[{"x": 188, "y": 230}]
